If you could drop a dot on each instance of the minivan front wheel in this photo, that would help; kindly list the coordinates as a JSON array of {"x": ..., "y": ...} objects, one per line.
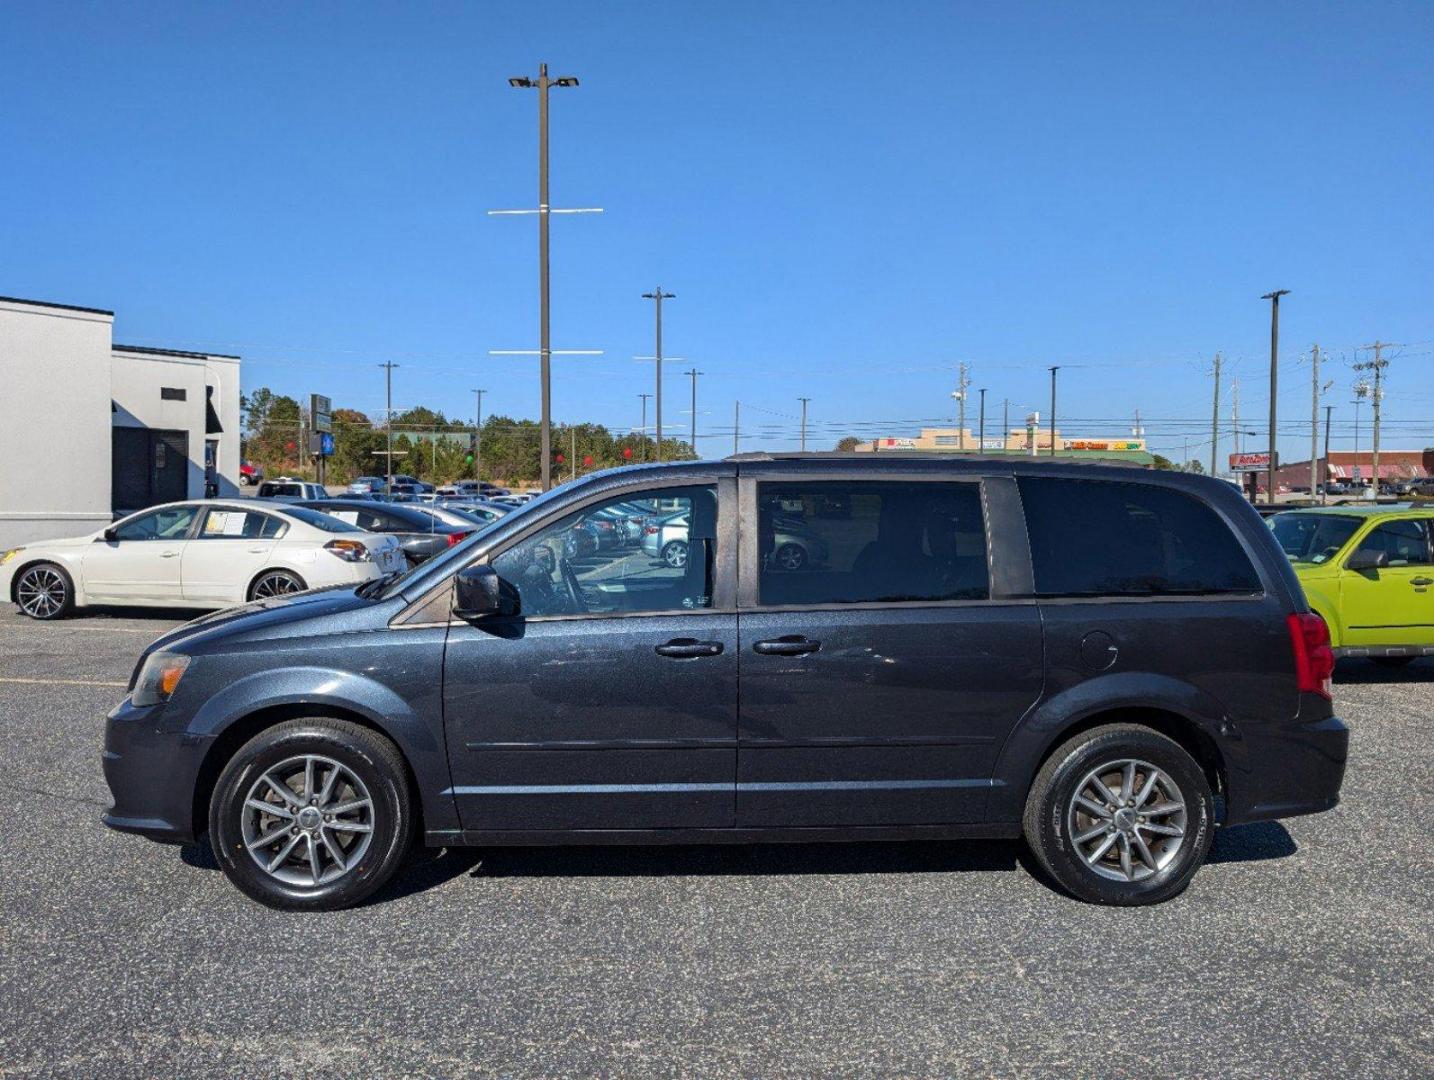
[
  {"x": 312, "y": 815},
  {"x": 1120, "y": 815}
]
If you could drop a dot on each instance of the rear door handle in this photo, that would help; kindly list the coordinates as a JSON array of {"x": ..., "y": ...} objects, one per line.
[
  {"x": 684, "y": 648},
  {"x": 168, "y": 554},
  {"x": 794, "y": 645}
]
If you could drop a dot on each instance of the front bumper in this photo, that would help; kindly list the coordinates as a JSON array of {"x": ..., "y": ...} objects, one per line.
[
  {"x": 152, "y": 775},
  {"x": 1291, "y": 769}
]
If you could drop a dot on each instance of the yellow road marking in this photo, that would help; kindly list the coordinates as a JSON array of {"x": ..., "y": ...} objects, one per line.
[{"x": 59, "y": 682}]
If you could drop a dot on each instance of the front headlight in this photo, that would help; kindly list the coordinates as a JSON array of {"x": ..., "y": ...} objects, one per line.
[
  {"x": 6, "y": 556},
  {"x": 159, "y": 678}
]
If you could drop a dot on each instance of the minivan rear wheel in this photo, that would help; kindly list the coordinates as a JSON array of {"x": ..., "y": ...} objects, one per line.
[
  {"x": 312, "y": 815},
  {"x": 1120, "y": 815}
]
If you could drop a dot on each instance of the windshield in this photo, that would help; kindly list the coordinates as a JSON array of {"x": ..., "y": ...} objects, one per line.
[
  {"x": 319, "y": 521},
  {"x": 1313, "y": 538}
]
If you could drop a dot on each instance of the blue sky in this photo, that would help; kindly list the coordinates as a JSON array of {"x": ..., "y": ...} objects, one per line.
[{"x": 848, "y": 199}]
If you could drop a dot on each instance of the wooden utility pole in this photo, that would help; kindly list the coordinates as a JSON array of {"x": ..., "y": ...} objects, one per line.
[
  {"x": 1314, "y": 422},
  {"x": 1215, "y": 421},
  {"x": 1377, "y": 365}
]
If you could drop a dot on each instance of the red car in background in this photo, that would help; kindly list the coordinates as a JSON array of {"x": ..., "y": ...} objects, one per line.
[{"x": 249, "y": 473}]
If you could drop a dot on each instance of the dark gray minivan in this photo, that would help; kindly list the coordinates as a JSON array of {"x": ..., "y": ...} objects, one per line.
[{"x": 1108, "y": 661}]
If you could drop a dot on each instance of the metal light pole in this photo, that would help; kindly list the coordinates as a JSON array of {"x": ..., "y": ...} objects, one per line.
[
  {"x": 1054, "y": 369},
  {"x": 1274, "y": 299},
  {"x": 981, "y": 441},
  {"x": 804, "y": 422},
  {"x": 658, "y": 296},
  {"x": 642, "y": 431},
  {"x": 388, "y": 416},
  {"x": 478, "y": 437},
  {"x": 693, "y": 375},
  {"x": 542, "y": 84},
  {"x": 736, "y": 425}
]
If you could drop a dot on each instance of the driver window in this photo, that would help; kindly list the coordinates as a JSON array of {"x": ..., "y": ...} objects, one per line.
[
  {"x": 1406, "y": 543},
  {"x": 648, "y": 552},
  {"x": 171, "y": 523}
]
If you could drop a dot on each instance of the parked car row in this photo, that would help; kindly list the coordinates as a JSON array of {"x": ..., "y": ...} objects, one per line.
[
  {"x": 200, "y": 554},
  {"x": 213, "y": 553}
]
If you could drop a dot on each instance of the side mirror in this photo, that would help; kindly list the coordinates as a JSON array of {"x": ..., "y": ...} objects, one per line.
[
  {"x": 478, "y": 591},
  {"x": 110, "y": 535},
  {"x": 1367, "y": 560}
]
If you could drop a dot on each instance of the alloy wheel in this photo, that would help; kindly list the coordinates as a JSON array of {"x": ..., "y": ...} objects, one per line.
[
  {"x": 1127, "y": 820},
  {"x": 791, "y": 557},
  {"x": 275, "y": 584},
  {"x": 307, "y": 820},
  {"x": 675, "y": 554},
  {"x": 41, "y": 592}
]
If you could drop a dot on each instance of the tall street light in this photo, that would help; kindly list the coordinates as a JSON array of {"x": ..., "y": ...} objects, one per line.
[
  {"x": 1054, "y": 369},
  {"x": 658, "y": 296},
  {"x": 1274, "y": 299},
  {"x": 543, "y": 84},
  {"x": 478, "y": 437}
]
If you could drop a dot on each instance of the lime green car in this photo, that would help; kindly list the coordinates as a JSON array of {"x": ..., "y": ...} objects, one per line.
[{"x": 1369, "y": 571}]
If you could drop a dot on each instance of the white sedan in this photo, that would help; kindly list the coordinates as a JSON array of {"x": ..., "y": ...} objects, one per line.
[{"x": 195, "y": 555}]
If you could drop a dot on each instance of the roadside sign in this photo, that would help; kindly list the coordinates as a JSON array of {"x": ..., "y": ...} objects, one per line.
[
  {"x": 321, "y": 444},
  {"x": 1249, "y": 462},
  {"x": 320, "y": 413}
]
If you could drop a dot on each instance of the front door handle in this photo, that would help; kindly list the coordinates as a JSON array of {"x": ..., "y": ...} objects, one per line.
[
  {"x": 684, "y": 648},
  {"x": 791, "y": 645},
  {"x": 1421, "y": 581},
  {"x": 168, "y": 554}
]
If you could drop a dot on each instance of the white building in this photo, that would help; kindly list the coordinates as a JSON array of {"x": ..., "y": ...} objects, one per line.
[{"x": 89, "y": 429}]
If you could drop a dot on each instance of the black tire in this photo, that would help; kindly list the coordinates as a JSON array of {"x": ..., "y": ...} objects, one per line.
[
  {"x": 369, "y": 757},
  {"x": 272, "y": 583},
  {"x": 45, "y": 592},
  {"x": 674, "y": 554},
  {"x": 1051, "y": 815},
  {"x": 790, "y": 557},
  {"x": 1395, "y": 662}
]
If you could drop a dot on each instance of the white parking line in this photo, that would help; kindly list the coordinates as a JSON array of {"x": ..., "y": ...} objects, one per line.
[
  {"x": 44, "y": 627},
  {"x": 59, "y": 682}
]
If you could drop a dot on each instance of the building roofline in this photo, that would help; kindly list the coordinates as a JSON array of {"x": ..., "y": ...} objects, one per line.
[
  {"x": 149, "y": 350},
  {"x": 51, "y": 304}
]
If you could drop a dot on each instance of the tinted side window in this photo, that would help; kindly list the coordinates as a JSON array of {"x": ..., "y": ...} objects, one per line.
[
  {"x": 857, "y": 542},
  {"x": 616, "y": 557},
  {"x": 1405, "y": 543},
  {"x": 1109, "y": 538}
]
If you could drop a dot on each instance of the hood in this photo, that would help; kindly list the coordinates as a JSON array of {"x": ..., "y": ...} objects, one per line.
[{"x": 331, "y": 610}]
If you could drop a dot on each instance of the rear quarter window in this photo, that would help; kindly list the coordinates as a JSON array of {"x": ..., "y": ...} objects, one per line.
[{"x": 1114, "y": 538}]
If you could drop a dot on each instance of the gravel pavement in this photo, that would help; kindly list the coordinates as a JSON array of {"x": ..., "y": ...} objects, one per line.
[{"x": 1302, "y": 949}]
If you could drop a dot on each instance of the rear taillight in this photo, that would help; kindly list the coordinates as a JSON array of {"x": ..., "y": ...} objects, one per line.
[
  {"x": 348, "y": 550},
  {"x": 1314, "y": 659},
  {"x": 651, "y": 530},
  {"x": 454, "y": 539}
]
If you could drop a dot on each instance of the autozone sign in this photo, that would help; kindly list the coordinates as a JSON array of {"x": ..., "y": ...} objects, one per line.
[{"x": 1249, "y": 462}]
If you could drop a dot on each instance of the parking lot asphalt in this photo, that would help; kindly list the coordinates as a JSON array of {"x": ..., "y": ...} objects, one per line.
[{"x": 1302, "y": 949}]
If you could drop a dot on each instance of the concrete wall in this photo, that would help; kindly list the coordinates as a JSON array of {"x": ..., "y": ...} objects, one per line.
[
  {"x": 222, "y": 373},
  {"x": 54, "y": 421},
  {"x": 138, "y": 379}
]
